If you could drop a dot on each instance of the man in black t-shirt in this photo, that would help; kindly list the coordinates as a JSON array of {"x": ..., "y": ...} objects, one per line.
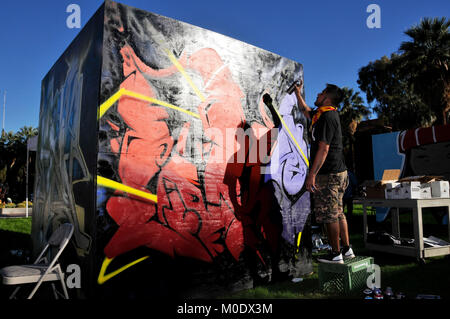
[{"x": 327, "y": 178}]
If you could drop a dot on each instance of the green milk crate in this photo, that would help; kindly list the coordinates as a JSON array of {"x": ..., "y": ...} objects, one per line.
[{"x": 345, "y": 278}]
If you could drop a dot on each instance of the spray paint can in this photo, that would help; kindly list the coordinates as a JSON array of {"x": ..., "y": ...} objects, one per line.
[
  {"x": 292, "y": 87},
  {"x": 400, "y": 295},
  {"x": 389, "y": 293},
  {"x": 378, "y": 296},
  {"x": 368, "y": 293}
]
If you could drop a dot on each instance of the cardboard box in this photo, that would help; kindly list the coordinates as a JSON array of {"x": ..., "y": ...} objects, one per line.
[
  {"x": 409, "y": 190},
  {"x": 391, "y": 191},
  {"x": 414, "y": 190},
  {"x": 421, "y": 179},
  {"x": 440, "y": 189},
  {"x": 388, "y": 193},
  {"x": 412, "y": 187},
  {"x": 392, "y": 185},
  {"x": 373, "y": 189},
  {"x": 376, "y": 189},
  {"x": 390, "y": 176},
  {"x": 425, "y": 191},
  {"x": 398, "y": 193}
]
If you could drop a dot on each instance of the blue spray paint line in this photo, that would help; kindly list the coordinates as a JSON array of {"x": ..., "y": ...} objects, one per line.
[{"x": 102, "y": 197}]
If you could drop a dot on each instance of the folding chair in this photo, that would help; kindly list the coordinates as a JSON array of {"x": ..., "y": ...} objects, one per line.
[{"x": 41, "y": 270}]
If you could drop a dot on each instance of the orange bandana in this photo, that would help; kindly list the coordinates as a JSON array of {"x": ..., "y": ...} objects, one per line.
[{"x": 319, "y": 112}]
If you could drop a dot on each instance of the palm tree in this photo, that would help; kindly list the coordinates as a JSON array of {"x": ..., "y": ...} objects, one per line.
[
  {"x": 351, "y": 111},
  {"x": 26, "y": 132},
  {"x": 426, "y": 60},
  {"x": 13, "y": 148},
  {"x": 387, "y": 82}
]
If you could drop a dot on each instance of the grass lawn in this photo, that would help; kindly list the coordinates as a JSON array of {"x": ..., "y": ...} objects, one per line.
[
  {"x": 15, "y": 249},
  {"x": 14, "y": 236},
  {"x": 401, "y": 273},
  {"x": 17, "y": 225}
]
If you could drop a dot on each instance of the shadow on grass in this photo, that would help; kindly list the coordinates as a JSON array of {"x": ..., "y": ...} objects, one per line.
[
  {"x": 401, "y": 273},
  {"x": 15, "y": 249},
  {"x": 413, "y": 279},
  {"x": 307, "y": 289},
  {"x": 14, "y": 241}
]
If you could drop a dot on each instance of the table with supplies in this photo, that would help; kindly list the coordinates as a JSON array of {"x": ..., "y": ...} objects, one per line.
[{"x": 418, "y": 250}]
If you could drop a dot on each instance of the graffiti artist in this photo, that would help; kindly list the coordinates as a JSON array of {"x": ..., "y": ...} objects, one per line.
[{"x": 328, "y": 178}]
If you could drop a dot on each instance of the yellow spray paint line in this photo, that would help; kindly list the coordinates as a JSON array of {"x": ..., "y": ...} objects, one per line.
[
  {"x": 180, "y": 68},
  {"x": 114, "y": 98},
  {"x": 155, "y": 101},
  {"x": 188, "y": 79},
  {"x": 101, "y": 276},
  {"x": 102, "y": 181},
  {"x": 109, "y": 102},
  {"x": 292, "y": 137}
]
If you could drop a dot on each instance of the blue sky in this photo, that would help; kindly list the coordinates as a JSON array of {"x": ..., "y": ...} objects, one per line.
[{"x": 330, "y": 38}]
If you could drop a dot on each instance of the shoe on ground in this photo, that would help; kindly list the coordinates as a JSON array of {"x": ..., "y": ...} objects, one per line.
[
  {"x": 332, "y": 258},
  {"x": 347, "y": 253}
]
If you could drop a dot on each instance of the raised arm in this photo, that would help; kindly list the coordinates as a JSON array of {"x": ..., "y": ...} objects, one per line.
[{"x": 303, "y": 107}]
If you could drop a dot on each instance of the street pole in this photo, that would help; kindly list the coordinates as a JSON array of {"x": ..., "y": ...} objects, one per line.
[
  {"x": 4, "y": 107},
  {"x": 27, "y": 181}
]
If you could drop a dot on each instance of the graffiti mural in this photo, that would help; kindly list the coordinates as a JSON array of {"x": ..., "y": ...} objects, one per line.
[
  {"x": 66, "y": 155},
  {"x": 172, "y": 137},
  {"x": 191, "y": 175}
]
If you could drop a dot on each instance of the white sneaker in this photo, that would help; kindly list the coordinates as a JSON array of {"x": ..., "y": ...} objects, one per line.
[
  {"x": 348, "y": 254},
  {"x": 332, "y": 258}
]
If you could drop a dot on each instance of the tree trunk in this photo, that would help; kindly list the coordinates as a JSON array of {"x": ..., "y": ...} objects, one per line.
[{"x": 446, "y": 99}]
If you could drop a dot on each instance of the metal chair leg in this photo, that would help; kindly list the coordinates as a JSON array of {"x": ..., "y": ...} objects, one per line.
[
  {"x": 14, "y": 293},
  {"x": 55, "y": 293},
  {"x": 63, "y": 283},
  {"x": 36, "y": 288}
]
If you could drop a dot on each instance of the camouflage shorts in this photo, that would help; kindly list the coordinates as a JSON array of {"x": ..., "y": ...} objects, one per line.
[{"x": 328, "y": 206}]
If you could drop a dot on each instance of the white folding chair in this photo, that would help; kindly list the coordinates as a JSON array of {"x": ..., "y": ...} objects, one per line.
[{"x": 41, "y": 270}]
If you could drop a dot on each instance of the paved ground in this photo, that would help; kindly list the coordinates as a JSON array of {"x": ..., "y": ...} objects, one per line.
[{"x": 15, "y": 212}]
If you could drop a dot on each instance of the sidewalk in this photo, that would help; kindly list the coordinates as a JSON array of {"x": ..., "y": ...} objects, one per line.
[{"x": 15, "y": 212}]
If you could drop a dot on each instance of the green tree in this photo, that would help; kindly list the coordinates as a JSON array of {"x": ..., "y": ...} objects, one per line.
[
  {"x": 13, "y": 148},
  {"x": 395, "y": 99},
  {"x": 26, "y": 132},
  {"x": 351, "y": 111},
  {"x": 425, "y": 60},
  {"x": 411, "y": 88}
]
